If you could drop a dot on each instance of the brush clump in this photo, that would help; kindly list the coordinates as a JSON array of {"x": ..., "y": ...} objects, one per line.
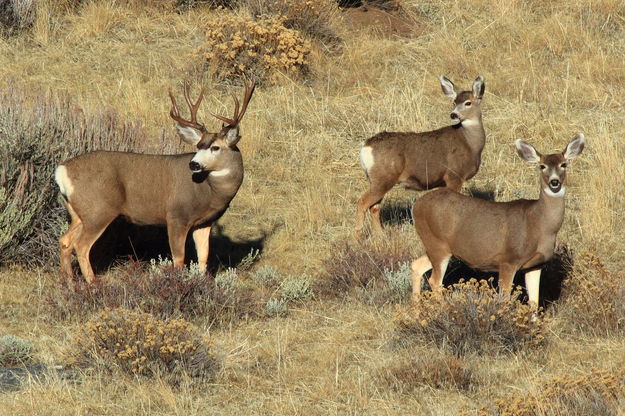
[{"x": 470, "y": 317}]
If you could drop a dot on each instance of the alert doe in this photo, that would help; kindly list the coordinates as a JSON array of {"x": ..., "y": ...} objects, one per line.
[
  {"x": 184, "y": 192},
  {"x": 447, "y": 157},
  {"x": 495, "y": 236}
]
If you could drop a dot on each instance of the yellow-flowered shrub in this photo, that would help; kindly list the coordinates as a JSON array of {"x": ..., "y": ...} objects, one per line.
[
  {"x": 598, "y": 392},
  {"x": 470, "y": 317},
  {"x": 142, "y": 345},
  {"x": 238, "y": 47}
]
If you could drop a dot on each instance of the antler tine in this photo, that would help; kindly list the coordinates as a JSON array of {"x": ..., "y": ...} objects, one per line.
[
  {"x": 175, "y": 113},
  {"x": 236, "y": 106},
  {"x": 249, "y": 90}
]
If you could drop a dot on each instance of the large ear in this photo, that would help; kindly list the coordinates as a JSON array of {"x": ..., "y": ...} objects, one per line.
[
  {"x": 449, "y": 89},
  {"x": 478, "y": 87},
  {"x": 232, "y": 137},
  {"x": 188, "y": 134},
  {"x": 575, "y": 147},
  {"x": 527, "y": 152}
]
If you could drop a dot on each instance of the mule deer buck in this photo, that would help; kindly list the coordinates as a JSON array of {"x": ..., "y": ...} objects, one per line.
[
  {"x": 446, "y": 157},
  {"x": 502, "y": 237},
  {"x": 184, "y": 192}
]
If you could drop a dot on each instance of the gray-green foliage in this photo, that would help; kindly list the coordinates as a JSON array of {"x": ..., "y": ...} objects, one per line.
[
  {"x": 295, "y": 288},
  {"x": 266, "y": 276},
  {"x": 399, "y": 281},
  {"x": 227, "y": 279},
  {"x": 36, "y": 134},
  {"x": 276, "y": 307},
  {"x": 14, "y": 351}
]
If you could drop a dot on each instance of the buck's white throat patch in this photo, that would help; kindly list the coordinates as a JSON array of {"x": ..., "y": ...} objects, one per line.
[
  {"x": 62, "y": 180},
  {"x": 470, "y": 123},
  {"x": 220, "y": 172}
]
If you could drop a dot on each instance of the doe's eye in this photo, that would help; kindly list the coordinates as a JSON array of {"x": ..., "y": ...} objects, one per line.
[
  {"x": 542, "y": 167},
  {"x": 214, "y": 148},
  {"x": 467, "y": 103}
]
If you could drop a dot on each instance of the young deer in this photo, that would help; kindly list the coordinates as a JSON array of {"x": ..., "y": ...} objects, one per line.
[
  {"x": 184, "y": 192},
  {"x": 444, "y": 157},
  {"x": 495, "y": 236}
]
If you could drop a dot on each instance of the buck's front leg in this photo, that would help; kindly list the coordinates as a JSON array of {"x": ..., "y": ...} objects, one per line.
[
  {"x": 532, "y": 284},
  {"x": 177, "y": 234},
  {"x": 201, "y": 238}
]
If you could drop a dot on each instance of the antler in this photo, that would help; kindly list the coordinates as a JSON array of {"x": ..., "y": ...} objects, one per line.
[
  {"x": 236, "y": 118},
  {"x": 175, "y": 113}
]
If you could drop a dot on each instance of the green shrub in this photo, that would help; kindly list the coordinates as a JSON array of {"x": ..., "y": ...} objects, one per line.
[
  {"x": 266, "y": 276},
  {"x": 470, "y": 317},
  {"x": 36, "y": 134},
  {"x": 14, "y": 351},
  {"x": 140, "y": 344}
]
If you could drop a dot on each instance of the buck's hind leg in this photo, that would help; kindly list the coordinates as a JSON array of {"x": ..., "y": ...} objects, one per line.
[
  {"x": 66, "y": 243},
  {"x": 86, "y": 235}
]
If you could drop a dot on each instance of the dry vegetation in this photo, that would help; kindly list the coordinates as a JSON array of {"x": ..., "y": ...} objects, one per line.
[{"x": 306, "y": 327}]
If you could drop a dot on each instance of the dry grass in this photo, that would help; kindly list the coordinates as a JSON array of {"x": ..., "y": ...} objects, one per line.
[{"x": 552, "y": 69}]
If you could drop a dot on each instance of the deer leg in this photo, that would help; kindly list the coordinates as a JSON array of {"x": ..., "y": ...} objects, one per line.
[
  {"x": 419, "y": 267},
  {"x": 66, "y": 243},
  {"x": 375, "y": 217},
  {"x": 177, "y": 234},
  {"x": 439, "y": 266},
  {"x": 201, "y": 238},
  {"x": 506, "y": 275},
  {"x": 371, "y": 198},
  {"x": 86, "y": 235},
  {"x": 532, "y": 284}
]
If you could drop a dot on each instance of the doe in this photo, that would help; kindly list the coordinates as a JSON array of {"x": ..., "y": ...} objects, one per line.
[
  {"x": 446, "y": 157},
  {"x": 184, "y": 192},
  {"x": 492, "y": 236}
]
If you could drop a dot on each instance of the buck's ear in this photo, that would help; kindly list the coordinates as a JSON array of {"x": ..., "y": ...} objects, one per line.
[
  {"x": 575, "y": 147},
  {"x": 527, "y": 151},
  {"x": 232, "y": 137},
  {"x": 449, "y": 89},
  {"x": 479, "y": 87},
  {"x": 188, "y": 134}
]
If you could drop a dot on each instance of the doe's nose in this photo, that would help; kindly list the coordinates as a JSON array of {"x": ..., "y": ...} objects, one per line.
[
  {"x": 194, "y": 166},
  {"x": 453, "y": 116},
  {"x": 554, "y": 182}
]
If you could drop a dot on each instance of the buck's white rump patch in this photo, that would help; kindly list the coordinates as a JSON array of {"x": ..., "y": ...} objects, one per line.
[
  {"x": 62, "y": 180},
  {"x": 366, "y": 158}
]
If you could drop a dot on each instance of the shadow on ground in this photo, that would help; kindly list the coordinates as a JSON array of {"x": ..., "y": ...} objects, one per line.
[
  {"x": 553, "y": 274},
  {"x": 123, "y": 240}
]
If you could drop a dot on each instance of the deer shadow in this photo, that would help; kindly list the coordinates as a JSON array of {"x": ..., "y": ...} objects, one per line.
[
  {"x": 553, "y": 274},
  {"x": 123, "y": 240}
]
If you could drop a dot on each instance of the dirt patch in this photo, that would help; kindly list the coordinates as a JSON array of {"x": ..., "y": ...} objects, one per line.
[{"x": 386, "y": 23}]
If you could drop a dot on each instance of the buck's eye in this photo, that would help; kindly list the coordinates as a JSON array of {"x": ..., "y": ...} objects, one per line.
[
  {"x": 542, "y": 167},
  {"x": 563, "y": 166},
  {"x": 467, "y": 103},
  {"x": 214, "y": 148}
]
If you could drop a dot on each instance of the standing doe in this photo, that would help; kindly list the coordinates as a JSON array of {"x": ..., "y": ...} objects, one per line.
[
  {"x": 444, "y": 157},
  {"x": 184, "y": 192},
  {"x": 495, "y": 236}
]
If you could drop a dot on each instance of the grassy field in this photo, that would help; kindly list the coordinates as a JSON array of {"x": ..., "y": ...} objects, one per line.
[{"x": 552, "y": 69}]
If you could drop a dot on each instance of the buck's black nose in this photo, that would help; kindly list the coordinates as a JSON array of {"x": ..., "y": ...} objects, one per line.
[
  {"x": 194, "y": 166},
  {"x": 554, "y": 183},
  {"x": 454, "y": 116}
]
